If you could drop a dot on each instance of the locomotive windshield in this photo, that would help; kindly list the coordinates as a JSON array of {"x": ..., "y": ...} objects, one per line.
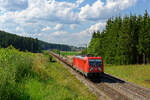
[{"x": 95, "y": 62}]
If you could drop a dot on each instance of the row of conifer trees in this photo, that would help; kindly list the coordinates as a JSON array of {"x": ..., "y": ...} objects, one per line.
[{"x": 124, "y": 40}]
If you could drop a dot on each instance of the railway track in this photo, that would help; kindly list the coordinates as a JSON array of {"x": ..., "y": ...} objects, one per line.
[
  {"x": 109, "y": 87},
  {"x": 133, "y": 91}
]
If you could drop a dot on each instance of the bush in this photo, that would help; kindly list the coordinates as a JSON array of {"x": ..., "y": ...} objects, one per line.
[
  {"x": 14, "y": 67},
  {"x": 49, "y": 56}
]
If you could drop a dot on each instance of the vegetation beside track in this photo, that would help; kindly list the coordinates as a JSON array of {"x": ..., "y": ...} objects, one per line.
[
  {"x": 139, "y": 74},
  {"x": 69, "y": 53},
  {"x": 28, "y": 76}
]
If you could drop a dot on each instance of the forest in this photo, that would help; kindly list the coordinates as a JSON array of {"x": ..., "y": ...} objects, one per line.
[
  {"x": 28, "y": 43},
  {"x": 125, "y": 40},
  {"x": 21, "y": 43}
]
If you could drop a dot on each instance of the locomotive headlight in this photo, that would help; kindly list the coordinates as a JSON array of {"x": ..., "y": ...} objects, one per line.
[
  {"x": 99, "y": 69},
  {"x": 90, "y": 68}
]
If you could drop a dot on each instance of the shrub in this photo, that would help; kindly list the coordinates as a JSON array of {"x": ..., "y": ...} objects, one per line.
[
  {"x": 14, "y": 67},
  {"x": 49, "y": 56}
]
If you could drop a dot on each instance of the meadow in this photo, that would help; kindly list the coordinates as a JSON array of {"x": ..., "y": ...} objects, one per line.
[
  {"x": 30, "y": 76},
  {"x": 139, "y": 74},
  {"x": 70, "y": 53}
]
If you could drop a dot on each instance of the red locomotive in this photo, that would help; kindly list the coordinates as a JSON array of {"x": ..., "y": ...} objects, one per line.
[{"x": 89, "y": 66}]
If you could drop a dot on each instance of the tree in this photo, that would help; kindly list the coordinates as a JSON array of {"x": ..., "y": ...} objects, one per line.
[{"x": 124, "y": 40}]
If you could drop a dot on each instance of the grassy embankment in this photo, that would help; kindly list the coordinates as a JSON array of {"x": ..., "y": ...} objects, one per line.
[
  {"x": 139, "y": 74},
  {"x": 28, "y": 76},
  {"x": 69, "y": 53}
]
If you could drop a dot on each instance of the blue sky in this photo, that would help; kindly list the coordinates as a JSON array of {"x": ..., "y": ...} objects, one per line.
[{"x": 64, "y": 21}]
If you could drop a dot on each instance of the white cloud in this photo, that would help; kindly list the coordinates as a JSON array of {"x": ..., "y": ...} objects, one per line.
[
  {"x": 13, "y": 5},
  {"x": 97, "y": 27},
  {"x": 91, "y": 11},
  {"x": 78, "y": 2},
  {"x": 58, "y": 26},
  {"x": 19, "y": 28},
  {"x": 59, "y": 33},
  {"x": 85, "y": 35},
  {"x": 73, "y": 26},
  {"x": 120, "y": 4},
  {"x": 36, "y": 18},
  {"x": 46, "y": 29},
  {"x": 41, "y": 10},
  {"x": 51, "y": 11},
  {"x": 62, "y": 12},
  {"x": 99, "y": 10}
]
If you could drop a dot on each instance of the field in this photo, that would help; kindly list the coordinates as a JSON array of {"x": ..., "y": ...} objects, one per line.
[
  {"x": 28, "y": 76},
  {"x": 69, "y": 53},
  {"x": 139, "y": 74}
]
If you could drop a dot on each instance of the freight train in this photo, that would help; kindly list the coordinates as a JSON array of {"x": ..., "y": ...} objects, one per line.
[{"x": 89, "y": 66}]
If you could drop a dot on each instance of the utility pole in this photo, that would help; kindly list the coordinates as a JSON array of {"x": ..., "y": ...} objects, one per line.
[
  {"x": 86, "y": 48},
  {"x": 85, "y": 45}
]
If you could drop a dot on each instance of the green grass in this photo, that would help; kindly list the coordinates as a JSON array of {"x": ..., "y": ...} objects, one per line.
[
  {"x": 59, "y": 85},
  {"x": 28, "y": 76},
  {"x": 14, "y": 67},
  {"x": 139, "y": 74},
  {"x": 74, "y": 88},
  {"x": 69, "y": 53}
]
